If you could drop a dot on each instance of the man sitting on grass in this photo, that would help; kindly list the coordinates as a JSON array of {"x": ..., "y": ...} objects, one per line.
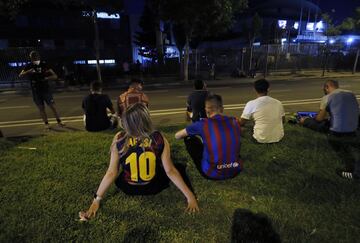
[
  {"x": 343, "y": 109},
  {"x": 133, "y": 95},
  {"x": 96, "y": 106},
  {"x": 268, "y": 114},
  {"x": 196, "y": 101},
  {"x": 216, "y": 152}
]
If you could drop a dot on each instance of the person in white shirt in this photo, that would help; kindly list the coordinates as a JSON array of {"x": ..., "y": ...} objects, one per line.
[{"x": 267, "y": 113}]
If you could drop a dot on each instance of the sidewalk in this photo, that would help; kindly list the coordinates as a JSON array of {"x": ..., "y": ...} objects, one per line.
[{"x": 163, "y": 82}]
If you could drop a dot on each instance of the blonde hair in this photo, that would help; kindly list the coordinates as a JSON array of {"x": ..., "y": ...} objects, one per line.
[{"x": 137, "y": 124}]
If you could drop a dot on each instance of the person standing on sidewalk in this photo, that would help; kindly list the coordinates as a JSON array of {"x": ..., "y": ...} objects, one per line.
[{"x": 39, "y": 74}]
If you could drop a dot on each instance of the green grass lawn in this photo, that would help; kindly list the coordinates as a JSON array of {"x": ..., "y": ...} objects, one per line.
[{"x": 292, "y": 182}]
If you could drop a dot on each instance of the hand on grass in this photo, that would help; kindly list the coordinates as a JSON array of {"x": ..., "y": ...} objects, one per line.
[
  {"x": 91, "y": 212},
  {"x": 192, "y": 206},
  {"x": 302, "y": 120}
]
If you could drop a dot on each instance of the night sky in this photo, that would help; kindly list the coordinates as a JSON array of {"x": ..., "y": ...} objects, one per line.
[
  {"x": 339, "y": 9},
  {"x": 342, "y": 8}
]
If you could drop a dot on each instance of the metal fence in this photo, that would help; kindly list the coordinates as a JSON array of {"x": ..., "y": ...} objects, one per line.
[
  {"x": 265, "y": 59},
  {"x": 274, "y": 58}
]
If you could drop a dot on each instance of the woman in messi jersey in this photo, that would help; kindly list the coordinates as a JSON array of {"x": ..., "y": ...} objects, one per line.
[{"x": 143, "y": 157}]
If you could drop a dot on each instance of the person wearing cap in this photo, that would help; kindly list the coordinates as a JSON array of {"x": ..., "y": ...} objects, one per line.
[
  {"x": 39, "y": 75},
  {"x": 132, "y": 96}
]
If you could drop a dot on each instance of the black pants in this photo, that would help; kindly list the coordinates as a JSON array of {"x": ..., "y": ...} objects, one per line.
[
  {"x": 195, "y": 148},
  {"x": 313, "y": 124},
  {"x": 347, "y": 146},
  {"x": 160, "y": 182}
]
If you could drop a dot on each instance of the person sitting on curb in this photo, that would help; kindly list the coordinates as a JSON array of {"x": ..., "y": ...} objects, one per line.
[
  {"x": 96, "y": 106},
  {"x": 140, "y": 162},
  {"x": 343, "y": 109},
  {"x": 196, "y": 101},
  {"x": 133, "y": 95},
  {"x": 267, "y": 113},
  {"x": 216, "y": 153}
]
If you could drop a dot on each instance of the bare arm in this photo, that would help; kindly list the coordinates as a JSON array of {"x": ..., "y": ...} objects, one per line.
[
  {"x": 145, "y": 100},
  {"x": 321, "y": 116},
  {"x": 24, "y": 73},
  {"x": 52, "y": 75},
  {"x": 176, "y": 178},
  {"x": 243, "y": 121},
  {"x": 108, "y": 179},
  {"x": 181, "y": 134}
]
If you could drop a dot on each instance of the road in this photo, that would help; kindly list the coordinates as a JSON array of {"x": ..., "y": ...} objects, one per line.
[{"x": 19, "y": 116}]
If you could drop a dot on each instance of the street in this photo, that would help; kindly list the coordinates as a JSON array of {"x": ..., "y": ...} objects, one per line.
[{"x": 19, "y": 116}]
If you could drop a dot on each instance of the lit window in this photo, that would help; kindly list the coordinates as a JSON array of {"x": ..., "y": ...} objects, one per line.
[
  {"x": 310, "y": 26},
  {"x": 296, "y": 25},
  {"x": 282, "y": 24}
]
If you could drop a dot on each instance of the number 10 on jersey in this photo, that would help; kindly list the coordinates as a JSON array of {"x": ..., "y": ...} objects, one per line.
[{"x": 142, "y": 166}]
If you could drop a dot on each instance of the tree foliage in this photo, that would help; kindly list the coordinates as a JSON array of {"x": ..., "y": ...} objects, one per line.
[
  {"x": 201, "y": 18},
  {"x": 146, "y": 39},
  {"x": 331, "y": 29}
]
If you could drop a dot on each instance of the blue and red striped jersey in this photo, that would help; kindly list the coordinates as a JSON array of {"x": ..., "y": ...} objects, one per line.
[{"x": 221, "y": 138}]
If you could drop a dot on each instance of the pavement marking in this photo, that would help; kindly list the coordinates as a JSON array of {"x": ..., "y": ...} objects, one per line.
[
  {"x": 69, "y": 96},
  {"x": 156, "y": 91},
  {"x": 164, "y": 112},
  {"x": 13, "y": 107},
  {"x": 281, "y": 91},
  {"x": 224, "y": 87}
]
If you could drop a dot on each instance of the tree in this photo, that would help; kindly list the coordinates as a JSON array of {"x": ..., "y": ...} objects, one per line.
[
  {"x": 331, "y": 29},
  {"x": 357, "y": 19},
  {"x": 253, "y": 31},
  {"x": 146, "y": 39},
  {"x": 347, "y": 25},
  {"x": 199, "y": 19},
  {"x": 180, "y": 39}
]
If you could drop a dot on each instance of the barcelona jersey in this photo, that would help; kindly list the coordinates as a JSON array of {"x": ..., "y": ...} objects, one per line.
[
  {"x": 141, "y": 162},
  {"x": 221, "y": 153}
]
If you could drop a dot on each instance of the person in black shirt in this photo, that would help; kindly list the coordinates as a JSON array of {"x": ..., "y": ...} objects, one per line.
[
  {"x": 196, "y": 101},
  {"x": 95, "y": 107},
  {"x": 39, "y": 74}
]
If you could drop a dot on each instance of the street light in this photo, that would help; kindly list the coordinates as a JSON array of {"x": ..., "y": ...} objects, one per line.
[{"x": 349, "y": 40}]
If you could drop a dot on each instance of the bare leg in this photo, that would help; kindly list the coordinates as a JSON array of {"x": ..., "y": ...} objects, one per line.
[
  {"x": 43, "y": 113},
  {"x": 53, "y": 108}
]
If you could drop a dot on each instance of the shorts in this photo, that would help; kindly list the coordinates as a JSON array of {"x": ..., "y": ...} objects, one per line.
[
  {"x": 43, "y": 97},
  {"x": 156, "y": 185}
]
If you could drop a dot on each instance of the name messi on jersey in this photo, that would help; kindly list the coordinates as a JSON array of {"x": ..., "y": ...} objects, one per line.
[{"x": 146, "y": 143}]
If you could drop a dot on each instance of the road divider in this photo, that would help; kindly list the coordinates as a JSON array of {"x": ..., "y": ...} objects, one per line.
[{"x": 162, "y": 112}]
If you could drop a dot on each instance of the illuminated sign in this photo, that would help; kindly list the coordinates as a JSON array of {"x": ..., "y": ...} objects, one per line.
[
  {"x": 17, "y": 64},
  {"x": 101, "y": 15},
  {"x": 282, "y": 24},
  {"x": 106, "y": 61}
]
